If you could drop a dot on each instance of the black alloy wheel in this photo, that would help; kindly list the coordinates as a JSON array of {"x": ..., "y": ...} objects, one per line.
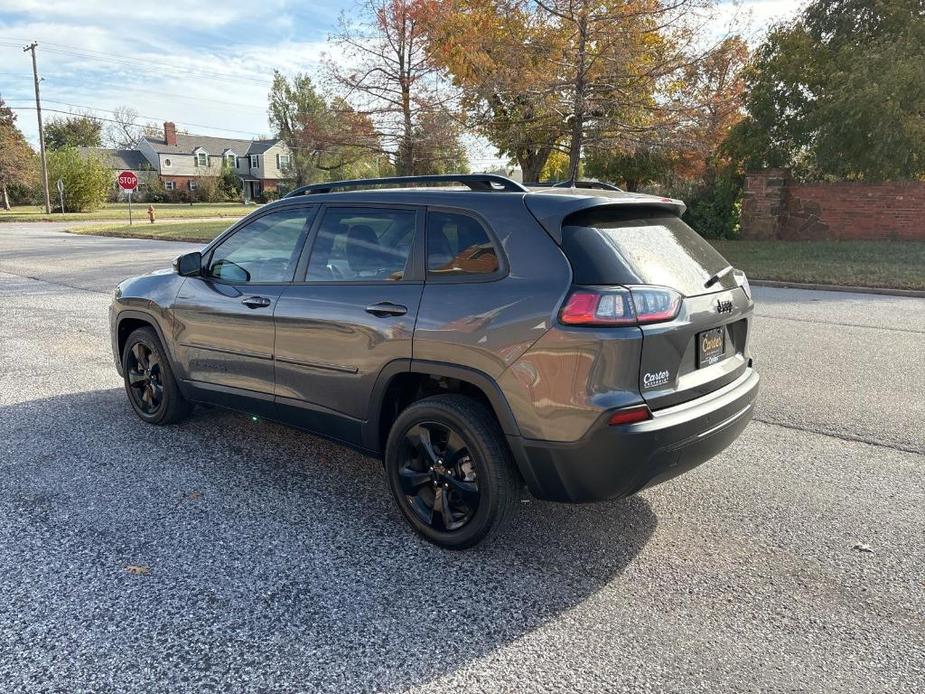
[
  {"x": 438, "y": 476},
  {"x": 144, "y": 376},
  {"x": 450, "y": 470},
  {"x": 149, "y": 381}
]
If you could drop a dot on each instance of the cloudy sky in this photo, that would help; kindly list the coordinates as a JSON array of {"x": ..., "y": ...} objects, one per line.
[{"x": 206, "y": 65}]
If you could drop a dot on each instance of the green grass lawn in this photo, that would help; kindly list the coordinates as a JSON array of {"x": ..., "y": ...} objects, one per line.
[
  {"x": 892, "y": 264},
  {"x": 195, "y": 231},
  {"x": 119, "y": 211}
]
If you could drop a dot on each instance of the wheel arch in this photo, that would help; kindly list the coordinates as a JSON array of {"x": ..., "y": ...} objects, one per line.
[
  {"x": 130, "y": 320},
  {"x": 400, "y": 379}
]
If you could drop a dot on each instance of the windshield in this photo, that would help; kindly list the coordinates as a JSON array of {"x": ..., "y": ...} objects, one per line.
[{"x": 607, "y": 248}]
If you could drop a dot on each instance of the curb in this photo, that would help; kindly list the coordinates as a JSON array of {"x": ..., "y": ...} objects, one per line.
[{"x": 910, "y": 293}]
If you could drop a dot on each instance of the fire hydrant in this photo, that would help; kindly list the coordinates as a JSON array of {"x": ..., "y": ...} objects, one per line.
[{"x": 151, "y": 213}]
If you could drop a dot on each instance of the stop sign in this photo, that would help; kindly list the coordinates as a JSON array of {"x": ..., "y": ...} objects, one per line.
[{"x": 128, "y": 180}]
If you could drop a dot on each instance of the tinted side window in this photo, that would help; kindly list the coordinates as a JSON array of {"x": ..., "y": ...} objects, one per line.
[
  {"x": 266, "y": 250},
  {"x": 458, "y": 245},
  {"x": 357, "y": 245}
]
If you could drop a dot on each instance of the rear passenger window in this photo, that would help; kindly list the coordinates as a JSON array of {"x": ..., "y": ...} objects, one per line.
[
  {"x": 356, "y": 245},
  {"x": 457, "y": 245}
]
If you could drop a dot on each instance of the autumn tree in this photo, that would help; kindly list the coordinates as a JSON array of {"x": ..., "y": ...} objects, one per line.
[
  {"x": 497, "y": 53},
  {"x": 619, "y": 62},
  {"x": 327, "y": 139},
  {"x": 569, "y": 74},
  {"x": 386, "y": 75},
  {"x": 437, "y": 146},
  {"x": 711, "y": 103},
  {"x": 17, "y": 160},
  {"x": 75, "y": 130}
]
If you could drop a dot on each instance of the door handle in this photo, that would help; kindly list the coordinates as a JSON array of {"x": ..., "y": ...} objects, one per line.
[
  {"x": 386, "y": 308},
  {"x": 256, "y": 301}
]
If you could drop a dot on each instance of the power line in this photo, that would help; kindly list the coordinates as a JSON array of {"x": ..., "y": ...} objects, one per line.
[
  {"x": 152, "y": 118},
  {"x": 205, "y": 99},
  {"x": 112, "y": 120}
]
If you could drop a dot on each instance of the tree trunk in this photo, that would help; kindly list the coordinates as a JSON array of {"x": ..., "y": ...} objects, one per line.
[
  {"x": 406, "y": 146},
  {"x": 6, "y": 199},
  {"x": 578, "y": 100},
  {"x": 532, "y": 162}
]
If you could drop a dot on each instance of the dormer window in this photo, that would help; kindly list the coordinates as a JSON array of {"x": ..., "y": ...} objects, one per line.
[
  {"x": 230, "y": 160},
  {"x": 202, "y": 158}
]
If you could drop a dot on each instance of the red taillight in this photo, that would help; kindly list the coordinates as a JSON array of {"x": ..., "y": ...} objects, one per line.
[
  {"x": 630, "y": 415},
  {"x": 620, "y": 306},
  {"x": 592, "y": 307},
  {"x": 655, "y": 304}
]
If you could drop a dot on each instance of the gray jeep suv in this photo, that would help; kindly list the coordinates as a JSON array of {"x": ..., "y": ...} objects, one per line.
[{"x": 476, "y": 337}]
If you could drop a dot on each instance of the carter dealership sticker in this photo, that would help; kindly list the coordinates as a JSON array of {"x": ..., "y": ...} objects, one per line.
[{"x": 656, "y": 379}]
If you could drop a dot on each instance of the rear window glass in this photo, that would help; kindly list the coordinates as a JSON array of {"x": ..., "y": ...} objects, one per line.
[{"x": 606, "y": 247}]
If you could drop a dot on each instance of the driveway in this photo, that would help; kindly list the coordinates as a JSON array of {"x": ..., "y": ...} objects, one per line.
[{"x": 232, "y": 555}]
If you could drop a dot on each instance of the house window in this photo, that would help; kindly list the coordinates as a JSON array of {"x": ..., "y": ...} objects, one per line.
[
  {"x": 282, "y": 161},
  {"x": 202, "y": 159},
  {"x": 193, "y": 185},
  {"x": 170, "y": 185},
  {"x": 167, "y": 162},
  {"x": 255, "y": 161},
  {"x": 231, "y": 159}
]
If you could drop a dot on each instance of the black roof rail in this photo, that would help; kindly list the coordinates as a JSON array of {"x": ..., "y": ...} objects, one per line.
[{"x": 483, "y": 183}]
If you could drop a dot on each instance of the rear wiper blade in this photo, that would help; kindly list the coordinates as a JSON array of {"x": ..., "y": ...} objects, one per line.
[{"x": 718, "y": 276}]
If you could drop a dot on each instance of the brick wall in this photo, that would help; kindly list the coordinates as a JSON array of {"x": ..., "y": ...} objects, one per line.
[
  {"x": 775, "y": 207},
  {"x": 763, "y": 204}
]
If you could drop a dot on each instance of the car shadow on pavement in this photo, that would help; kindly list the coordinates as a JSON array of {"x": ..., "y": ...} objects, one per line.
[{"x": 226, "y": 550}]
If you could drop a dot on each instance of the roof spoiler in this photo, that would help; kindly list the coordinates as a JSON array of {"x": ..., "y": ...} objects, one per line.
[
  {"x": 584, "y": 184},
  {"x": 552, "y": 210}
]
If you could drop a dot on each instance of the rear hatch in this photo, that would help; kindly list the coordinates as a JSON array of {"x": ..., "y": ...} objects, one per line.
[{"x": 704, "y": 346}]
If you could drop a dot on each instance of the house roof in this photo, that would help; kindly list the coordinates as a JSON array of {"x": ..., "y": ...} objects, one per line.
[
  {"x": 130, "y": 159},
  {"x": 261, "y": 146},
  {"x": 213, "y": 145}
]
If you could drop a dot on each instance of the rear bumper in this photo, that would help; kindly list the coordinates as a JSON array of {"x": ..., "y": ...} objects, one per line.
[{"x": 612, "y": 462}]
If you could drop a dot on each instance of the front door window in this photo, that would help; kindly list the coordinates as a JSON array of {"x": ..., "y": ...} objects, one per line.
[{"x": 266, "y": 250}]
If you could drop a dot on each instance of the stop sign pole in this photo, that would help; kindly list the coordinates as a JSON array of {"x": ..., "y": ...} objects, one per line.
[{"x": 128, "y": 182}]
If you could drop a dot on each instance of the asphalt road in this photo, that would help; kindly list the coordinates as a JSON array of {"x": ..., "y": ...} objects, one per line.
[{"x": 274, "y": 561}]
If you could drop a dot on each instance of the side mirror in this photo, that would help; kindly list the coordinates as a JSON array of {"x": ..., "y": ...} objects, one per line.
[{"x": 189, "y": 265}]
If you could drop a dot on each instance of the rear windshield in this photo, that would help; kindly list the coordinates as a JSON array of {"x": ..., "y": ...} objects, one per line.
[{"x": 607, "y": 246}]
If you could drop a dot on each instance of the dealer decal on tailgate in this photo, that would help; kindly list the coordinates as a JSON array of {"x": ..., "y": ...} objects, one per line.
[{"x": 654, "y": 380}]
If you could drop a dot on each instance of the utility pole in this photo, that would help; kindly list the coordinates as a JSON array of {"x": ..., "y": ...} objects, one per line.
[{"x": 38, "y": 110}]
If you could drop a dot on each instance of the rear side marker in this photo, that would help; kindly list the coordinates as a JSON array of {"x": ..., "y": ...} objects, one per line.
[{"x": 630, "y": 415}]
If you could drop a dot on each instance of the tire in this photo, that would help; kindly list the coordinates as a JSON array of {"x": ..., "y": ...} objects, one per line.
[
  {"x": 152, "y": 391},
  {"x": 440, "y": 480}
]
